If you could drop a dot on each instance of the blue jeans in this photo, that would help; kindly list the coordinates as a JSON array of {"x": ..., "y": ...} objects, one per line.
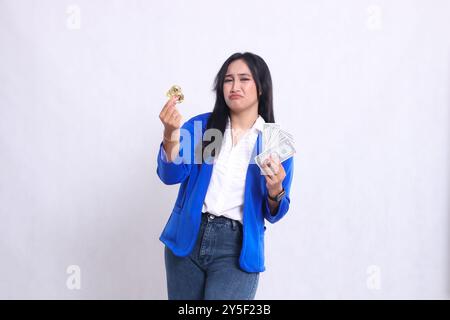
[{"x": 211, "y": 271}]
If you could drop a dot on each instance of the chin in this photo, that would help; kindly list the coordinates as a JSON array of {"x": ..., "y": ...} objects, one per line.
[{"x": 236, "y": 106}]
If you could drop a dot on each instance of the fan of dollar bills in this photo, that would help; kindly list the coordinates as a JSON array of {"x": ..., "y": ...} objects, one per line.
[{"x": 275, "y": 140}]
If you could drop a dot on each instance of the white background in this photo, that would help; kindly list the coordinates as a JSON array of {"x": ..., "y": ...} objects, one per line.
[{"x": 363, "y": 86}]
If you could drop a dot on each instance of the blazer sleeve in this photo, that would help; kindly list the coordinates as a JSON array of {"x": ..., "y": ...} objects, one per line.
[
  {"x": 283, "y": 206},
  {"x": 179, "y": 169}
]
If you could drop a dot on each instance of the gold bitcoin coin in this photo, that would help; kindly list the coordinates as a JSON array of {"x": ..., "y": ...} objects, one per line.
[{"x": 175, "y": 91}]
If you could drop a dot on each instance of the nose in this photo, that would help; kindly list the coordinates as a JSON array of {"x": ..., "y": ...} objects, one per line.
[{"x": 234, "y": 86}]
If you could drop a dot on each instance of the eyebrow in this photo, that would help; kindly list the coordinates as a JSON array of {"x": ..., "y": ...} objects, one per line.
[{"x": 240, "y": 74}]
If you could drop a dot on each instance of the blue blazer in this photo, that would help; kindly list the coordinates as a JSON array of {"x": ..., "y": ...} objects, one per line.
[{"x": 181, "y": 231}]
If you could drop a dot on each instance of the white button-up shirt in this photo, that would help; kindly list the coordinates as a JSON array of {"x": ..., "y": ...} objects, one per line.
[{"x": 225, "y": 195}]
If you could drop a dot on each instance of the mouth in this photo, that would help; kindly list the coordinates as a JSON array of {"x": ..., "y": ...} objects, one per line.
[{"x": 235, "y": 96}]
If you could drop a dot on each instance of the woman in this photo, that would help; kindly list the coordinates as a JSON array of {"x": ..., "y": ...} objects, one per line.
[{"x": 214, "y": 238}]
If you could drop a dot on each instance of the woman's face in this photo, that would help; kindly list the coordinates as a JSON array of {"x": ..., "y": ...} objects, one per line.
[{"x": 239, "y": 88}]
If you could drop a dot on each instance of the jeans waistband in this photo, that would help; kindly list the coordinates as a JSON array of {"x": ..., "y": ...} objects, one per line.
[{"x": 209, "y": 217}]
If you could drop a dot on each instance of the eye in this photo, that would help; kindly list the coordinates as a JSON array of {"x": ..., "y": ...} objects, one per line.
[
  {"x": 227, "y": 80},
  {"x": 245, "y": 79}
]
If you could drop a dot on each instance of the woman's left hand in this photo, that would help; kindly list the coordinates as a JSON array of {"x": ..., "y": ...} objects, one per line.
[{"x": 274, "y": 174}]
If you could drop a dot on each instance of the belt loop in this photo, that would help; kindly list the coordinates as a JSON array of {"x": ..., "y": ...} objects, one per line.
[{"x": 233, "y": 224}]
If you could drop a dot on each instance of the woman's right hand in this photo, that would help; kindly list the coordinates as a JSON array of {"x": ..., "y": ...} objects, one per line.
[{"x": 171, "y": 119}]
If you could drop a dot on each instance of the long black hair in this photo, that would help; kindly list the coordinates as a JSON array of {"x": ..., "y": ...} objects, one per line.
[{"x": 261, "y": 75}]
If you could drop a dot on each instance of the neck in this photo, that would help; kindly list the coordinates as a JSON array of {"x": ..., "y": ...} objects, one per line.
[{"x": 243, "y": 120}]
